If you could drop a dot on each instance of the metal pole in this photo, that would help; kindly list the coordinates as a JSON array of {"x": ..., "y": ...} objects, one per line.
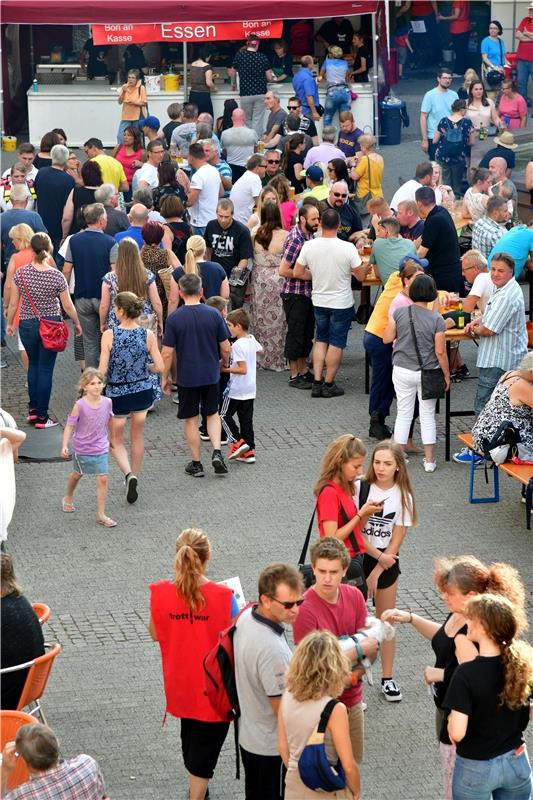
[
  {"x": 375, "y": 76},
  {"x": 185, "y": 87}
]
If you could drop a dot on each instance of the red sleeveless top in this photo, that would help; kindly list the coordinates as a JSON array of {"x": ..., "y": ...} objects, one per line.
[{"x": 185, "y": 638}]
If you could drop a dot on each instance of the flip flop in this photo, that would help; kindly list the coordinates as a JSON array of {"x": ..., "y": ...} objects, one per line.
[
  {"x": 67, "y": 507},
  {"x": 107, "y": 522}
]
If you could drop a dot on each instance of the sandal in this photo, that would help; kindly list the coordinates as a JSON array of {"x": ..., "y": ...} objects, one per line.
[
  {"x": 107, "y": 522},
  {"x": 67, "y": 507}
]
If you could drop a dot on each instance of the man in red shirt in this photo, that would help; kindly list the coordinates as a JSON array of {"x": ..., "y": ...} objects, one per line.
[
  {"x": 340, "y": 608},
  {"x": 460, "y": 27},
  {"x": 524, "y": 67},
  {"x": 425, "y": 33}
]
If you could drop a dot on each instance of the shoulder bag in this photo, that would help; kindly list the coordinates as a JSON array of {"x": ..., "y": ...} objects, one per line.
[
  {"x": 360, "y": 202},
  {"x": 354, "y": 575},
  {"x": 433, "y": 385},
  {"x": 54, "y": 334},
  {"x": 493, "y": 76},
  {"x": 313, "y": 766}
]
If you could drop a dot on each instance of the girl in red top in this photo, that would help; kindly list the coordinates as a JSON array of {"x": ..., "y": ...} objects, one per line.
[
  {"x": 337, "y": 513},
  {"x": 186, "y": 616}
]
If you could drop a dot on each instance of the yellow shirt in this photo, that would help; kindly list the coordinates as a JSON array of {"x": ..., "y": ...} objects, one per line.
[
  {"x": 380, "y": 315},
  {"x": 376, "y": 174},
  {"x": 112, "y": 170}
]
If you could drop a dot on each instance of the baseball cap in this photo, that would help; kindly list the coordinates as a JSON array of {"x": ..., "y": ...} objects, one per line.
[
  {"x": 423, "y": 262},
  {"x": 150, "y": 122},
  {"x": 315, "y": 173}
]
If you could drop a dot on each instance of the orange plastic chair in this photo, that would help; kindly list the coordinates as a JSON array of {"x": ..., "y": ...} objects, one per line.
[
  {"x": 42, "y": 611},
  {"x": 38, "y": 674},
  {"x": 10, "y": 722}
]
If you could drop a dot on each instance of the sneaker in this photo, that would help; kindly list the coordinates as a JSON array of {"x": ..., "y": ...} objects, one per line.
[
  {"x": 131, "y": 488},
  {"x": 248, "y": 457},
  {"x": 308, "y": 377},
  {"x": 294, "y": 382},
  {"x": 462, "y": 372},
  {"x": 364, "y": 706},
  {"x": 391, "y": 690},
  {"x": 46, "y": 422},
  {"x": 316, "y": 389},
  {"x": 466, "y": 456},
  {"x": 237, "y": 449},
  {"x": 219, "y": 465},
  {"x": 32, "y": 417},
  {"x": 195, "y": 469},
  {"x": 204, "y": 436},
  {"x": 430, "y": 466},
  {"x": 176, "y": 399},
  {"x": 332, "y": 391}
]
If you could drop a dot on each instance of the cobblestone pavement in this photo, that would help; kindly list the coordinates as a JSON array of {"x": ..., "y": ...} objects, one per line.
[{"x": 105, "y": 695}]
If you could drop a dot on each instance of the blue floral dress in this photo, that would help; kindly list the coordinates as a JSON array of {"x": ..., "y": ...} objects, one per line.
[{"x": 127, "y": 372}]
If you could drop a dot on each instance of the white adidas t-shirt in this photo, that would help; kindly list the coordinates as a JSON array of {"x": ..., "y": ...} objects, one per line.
[{"x": 379, "y": 526}]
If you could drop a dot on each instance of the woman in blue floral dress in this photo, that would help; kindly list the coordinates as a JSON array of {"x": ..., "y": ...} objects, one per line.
[
  {"x": 454, "y": 136},
  {"x": 129, "y": 355}
]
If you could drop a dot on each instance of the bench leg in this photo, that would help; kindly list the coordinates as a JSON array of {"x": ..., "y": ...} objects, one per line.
[{"x": 495, "y": 498}]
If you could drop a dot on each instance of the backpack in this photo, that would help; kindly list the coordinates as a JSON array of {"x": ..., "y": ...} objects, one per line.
[
  {"x": 452, "y": 142},
  {"x": 315, "y": 770},
  {"x": 503, "y": 443}
]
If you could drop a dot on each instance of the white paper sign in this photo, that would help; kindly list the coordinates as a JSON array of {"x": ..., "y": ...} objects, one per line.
[
  {"x": 418, "y": 26},
  {"x": 236, "y": 587}
]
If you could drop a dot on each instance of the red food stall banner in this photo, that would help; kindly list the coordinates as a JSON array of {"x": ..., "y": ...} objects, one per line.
[{"x": 185, "y": 32}]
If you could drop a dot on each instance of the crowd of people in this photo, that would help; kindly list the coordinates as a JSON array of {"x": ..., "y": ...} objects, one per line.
[{"x": 190, "y": 259}]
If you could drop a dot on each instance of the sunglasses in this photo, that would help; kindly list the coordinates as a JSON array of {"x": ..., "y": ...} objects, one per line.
[
  {"x": 293, "y": 108},
  {"x": 273, "y": 161},
  {"x": 337, "y": 194},
  {"x": 287, "y": 605}
]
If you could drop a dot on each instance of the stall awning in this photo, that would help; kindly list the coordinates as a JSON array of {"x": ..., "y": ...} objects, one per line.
[{"x": 77, "y": 12}]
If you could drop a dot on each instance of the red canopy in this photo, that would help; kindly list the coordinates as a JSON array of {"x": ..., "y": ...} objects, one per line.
[{"x": 77, "y": 12}]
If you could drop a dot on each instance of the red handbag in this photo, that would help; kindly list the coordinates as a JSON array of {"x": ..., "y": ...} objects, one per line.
[{"x": 54, "y": 335}]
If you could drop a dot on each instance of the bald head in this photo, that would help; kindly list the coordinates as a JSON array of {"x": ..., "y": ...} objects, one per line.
[
  {"x": 238, "y": 118},
  {"x": 498, "y": 168},
  {"x": 138, "y": 214}
]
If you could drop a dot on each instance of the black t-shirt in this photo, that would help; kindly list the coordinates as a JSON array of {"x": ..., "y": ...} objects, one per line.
[
  {"x": 492, "y": 729},
  {"x": 293, "y": 159},
  {"x": 340, "y": 35},
  {"x": 499, "y": 152},
  {"x": 212, "y": 275},
  {"x": 22, "y": 640},
  {"x": 350, "y": 220},
  {"x": 182, "y": 232},
  {"x": 440, "y": 238},
  {"x": 161, "y": 192},
  {"x": 168, "y": 130},
  {"x": 96, "y": 66},
  {"x": 414, "y": 232},
  {"x": 446, "y": 659},
  {"x": 307, "y": 127},
  {"x": 228, "y": 245},
  {"x": 281, "y": 65},
  {"x": 134, "y": 58},
  {"x": 362, "y": 52},
  {"x": 82, "y": 196},
  {"x": 251, "y": 67},
  {"x": 52, "y": 186}
]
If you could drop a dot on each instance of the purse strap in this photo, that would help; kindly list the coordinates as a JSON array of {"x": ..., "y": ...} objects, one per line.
[
  {"x": 502, "y": 64},
  {"x": 28, "y": 295},
  {"x": 325, "y": 715},
  {"x": 363, "y": 495},
  {"x": 415, "y": 340}
]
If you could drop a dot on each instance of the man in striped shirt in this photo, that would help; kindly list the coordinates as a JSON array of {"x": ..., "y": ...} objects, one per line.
[
  {"x": 296, "y": 299},
  {"x": 502, "y": 329}
]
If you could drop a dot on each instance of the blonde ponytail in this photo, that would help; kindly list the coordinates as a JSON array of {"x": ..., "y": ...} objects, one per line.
[
  {"x": 192, "y": 554},
  {"x": 196, "y": 247}
]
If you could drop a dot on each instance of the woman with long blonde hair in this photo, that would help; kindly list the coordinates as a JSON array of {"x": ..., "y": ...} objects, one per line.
[
  {"x": 187, "y": 615},
  {"x": 316, "y": 676},
  {"x": 213, "y": 274},
  {"x": 489, "y": 703}
]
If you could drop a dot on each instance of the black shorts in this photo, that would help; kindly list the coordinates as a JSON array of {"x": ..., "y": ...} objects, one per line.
[
  {"x": 191, "y": 397},
  {"x": 300, "y": 317},
  {"x": 387, "y": 577},
  {"x": 128, "y": 403},
  {"x": 201, "y": 743}
]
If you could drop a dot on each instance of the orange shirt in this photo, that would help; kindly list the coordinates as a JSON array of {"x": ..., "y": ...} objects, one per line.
[
  {"x": 20, "y": 259},
  {"x": 133, "y": 93}
]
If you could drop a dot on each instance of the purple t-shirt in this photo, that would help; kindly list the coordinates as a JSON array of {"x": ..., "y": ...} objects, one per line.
[
  {"x": 90, "y": 436},
  {"x": 349, "y": 142}
]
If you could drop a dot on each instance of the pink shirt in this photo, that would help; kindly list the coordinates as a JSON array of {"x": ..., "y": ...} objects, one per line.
[
  {"x": 511, "y": 109},
  {"x": 91, "y": 437},
  {"x": 127, "y": 161},
  {"x": 400, "y": 301},
  {"x": 288, "y": 210}
]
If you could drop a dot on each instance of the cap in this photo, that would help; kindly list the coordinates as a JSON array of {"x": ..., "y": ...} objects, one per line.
[
  {"x": 150, "y": 122},
  {"x": 526, "y": 365},
  {"x": 315, "y": 173},
  {"x": 423, "y": 262}
]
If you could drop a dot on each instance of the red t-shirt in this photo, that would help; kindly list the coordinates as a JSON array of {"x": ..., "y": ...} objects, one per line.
[
  {"x": 525, "y": 49},
  {"x": 329, "y": 503},
  {"x": 185, "y": 639},
  {"x": 462, "y": 23},
  {"x": 421, "y": 8},
  {"x": 342, "y": 618},
  {"x": 301, "y": 38}
]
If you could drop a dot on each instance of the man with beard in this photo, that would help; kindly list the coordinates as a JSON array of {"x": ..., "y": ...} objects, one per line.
[
  {"x": 351, "y": 227},
  {"x": 296, "y": 299}
]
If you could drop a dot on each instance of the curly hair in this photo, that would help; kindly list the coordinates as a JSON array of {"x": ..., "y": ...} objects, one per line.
[
  {"x": 193, "y": 551},
  {"x": 341, "y": 450},
  {"x": 498, "y": 618},
  {"x": 318, "y": 667},
  {"x": 469, "y": 574}
]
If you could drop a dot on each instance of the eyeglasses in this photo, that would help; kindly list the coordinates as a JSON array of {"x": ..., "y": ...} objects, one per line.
[
  {"x": 338, "y": 194},
  {"x": 465, "y": 269},
  {"x": 287, "y": 604},
  {"x": 273, "y": 161}
]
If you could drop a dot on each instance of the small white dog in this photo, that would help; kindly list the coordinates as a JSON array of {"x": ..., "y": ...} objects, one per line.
[{"x": 374, "y": 629}]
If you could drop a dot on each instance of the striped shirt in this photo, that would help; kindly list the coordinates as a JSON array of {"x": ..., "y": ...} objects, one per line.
[
  {"x": 485, "y": 233},
  {"x": 505, "y": 316},
  {"x": 291, "y": 250},
  {"x": 225, "y": 172}
]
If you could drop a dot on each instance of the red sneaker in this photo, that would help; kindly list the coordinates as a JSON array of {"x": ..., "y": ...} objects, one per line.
[
  {"x": 237, "y": 448},
  {"x": 248, "y": 457}
]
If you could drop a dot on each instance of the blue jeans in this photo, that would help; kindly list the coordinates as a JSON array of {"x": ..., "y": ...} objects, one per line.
[
  {"x": 336, "y": 100},
  {"x": 524, "y": 71},
  {"x": 41, "y": 366},
  {"x": 382, "y": 387},
  {"x": 506, "y": 777},
  {"x": 197, "y": 231},
  {"x": 488, "y": 378}
]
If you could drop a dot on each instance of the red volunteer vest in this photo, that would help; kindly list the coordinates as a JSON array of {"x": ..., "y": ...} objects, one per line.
[{"x": 185, "y": 638}]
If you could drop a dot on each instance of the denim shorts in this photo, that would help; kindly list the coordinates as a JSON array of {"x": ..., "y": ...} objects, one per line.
[
  {"x": 332, "y": 325},
  {"x": 90, "y": 465}
]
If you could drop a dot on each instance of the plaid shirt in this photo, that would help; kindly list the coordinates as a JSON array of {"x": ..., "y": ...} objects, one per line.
[
  {"x": 293, "y": 244},
  {"x": 76, "y": 778},
  {"x": 485, "y": 234}
]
